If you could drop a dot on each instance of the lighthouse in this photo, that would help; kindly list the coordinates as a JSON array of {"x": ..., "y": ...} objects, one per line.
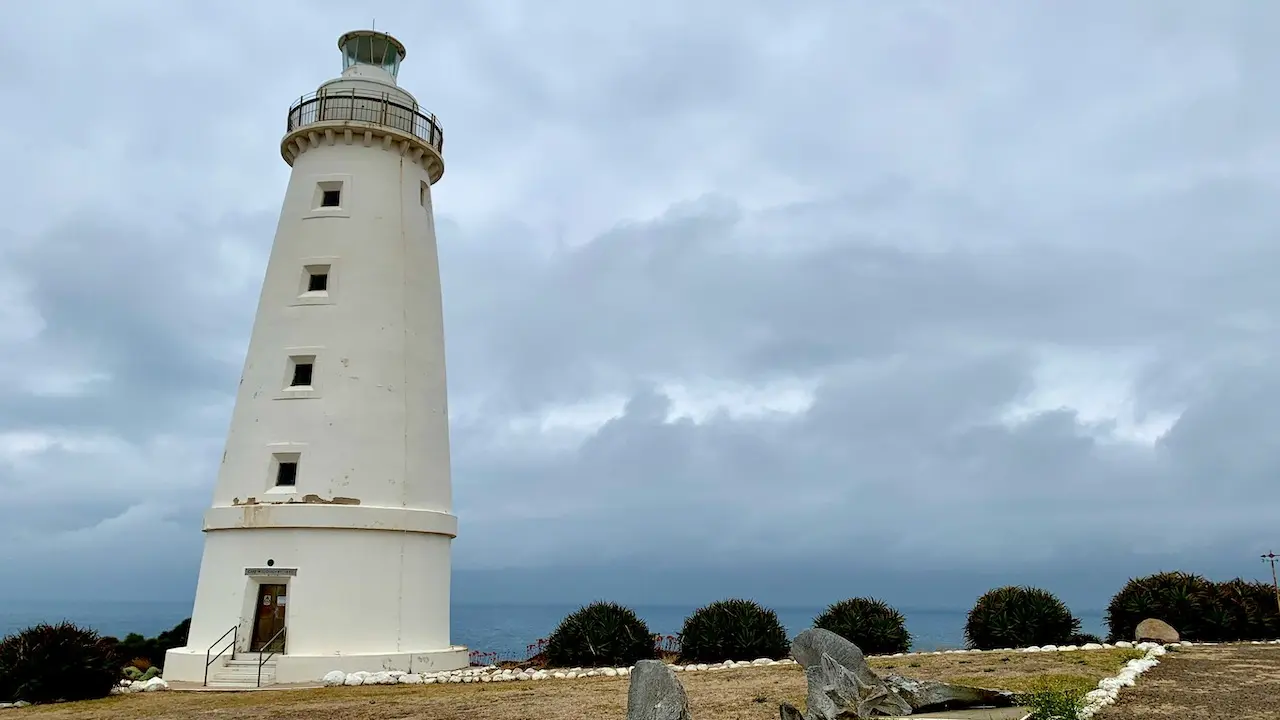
[{"x": 327, "y": 546}]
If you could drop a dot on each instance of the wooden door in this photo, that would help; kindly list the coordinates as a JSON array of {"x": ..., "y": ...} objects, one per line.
[{"x": 269, "y": 619}]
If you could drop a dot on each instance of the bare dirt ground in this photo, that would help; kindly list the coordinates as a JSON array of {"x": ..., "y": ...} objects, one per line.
[
  {"x": 744, "y": 694},
  {"x": 1240, "y": 682}
]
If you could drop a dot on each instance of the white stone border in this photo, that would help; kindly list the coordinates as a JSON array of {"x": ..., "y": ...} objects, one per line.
[{"x": 495, "y": 674}]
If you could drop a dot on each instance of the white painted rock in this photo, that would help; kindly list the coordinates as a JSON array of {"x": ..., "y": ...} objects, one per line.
[
  {"x": 411, "y": 679},
  {"x": 1124, "y": 644},
  {"x": 353, "y": 679},
  {"x": 334, "y": 678},
  {"x": 1091, "y": 646},
  {"x": 762, "y": 661},
  {"x": 154, "y": 684},
  {"x": 610, "y": 672},
  {"x": 1031, "y": 649}
]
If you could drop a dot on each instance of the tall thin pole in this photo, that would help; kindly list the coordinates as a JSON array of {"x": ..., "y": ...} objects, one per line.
[{"x": 1271, "y": 558}]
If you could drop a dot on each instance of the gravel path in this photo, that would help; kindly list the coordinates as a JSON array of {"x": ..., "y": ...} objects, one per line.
[{"x": 1221, "y": 682}]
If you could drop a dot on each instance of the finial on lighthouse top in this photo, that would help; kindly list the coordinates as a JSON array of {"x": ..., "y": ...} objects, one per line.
[{"x": 371, "y": 47}]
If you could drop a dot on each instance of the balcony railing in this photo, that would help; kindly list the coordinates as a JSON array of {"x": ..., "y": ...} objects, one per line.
[{"x": 368, "y": 107}]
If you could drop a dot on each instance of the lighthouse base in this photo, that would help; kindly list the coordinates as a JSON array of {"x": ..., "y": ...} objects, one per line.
[{"x": 187, "y": 664}]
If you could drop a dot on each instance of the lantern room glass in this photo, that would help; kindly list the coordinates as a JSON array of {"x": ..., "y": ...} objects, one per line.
[{"x": 373, "y": 50}]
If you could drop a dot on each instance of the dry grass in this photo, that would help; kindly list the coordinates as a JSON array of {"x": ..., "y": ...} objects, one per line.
[
  {"x": 743, "y": 694},
  {"x": 1240, "y": 682}
]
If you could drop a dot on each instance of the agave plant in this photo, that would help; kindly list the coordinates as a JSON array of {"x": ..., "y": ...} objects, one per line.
[
  {"x": 871, "y": 624},
  {"x": 598, "y": 635},
  {"x": 46, "y": 663},
  {"x": 1250, "y": 609},
  {"x": 1014, "y": 616},
  {"x": 1186, "y": 601},
  {"x": 732, "y": 630}
]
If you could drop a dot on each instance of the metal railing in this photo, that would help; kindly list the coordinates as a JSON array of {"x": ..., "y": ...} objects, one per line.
[
  {"x": 365, "y": 106},
  {"x": 262, "y": 660},
  {"x": 234, "y": 632}
]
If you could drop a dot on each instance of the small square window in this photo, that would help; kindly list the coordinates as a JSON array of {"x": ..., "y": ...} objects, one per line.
[
  {"x": 301, "y": 374},
  {"x": 318, "y": 281},
  {"x": 330, "y": 198},
  {"x": 287, "y": 473}
]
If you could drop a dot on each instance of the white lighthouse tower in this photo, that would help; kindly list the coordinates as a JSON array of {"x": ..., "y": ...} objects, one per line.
[{"x": 327, "y": 546}]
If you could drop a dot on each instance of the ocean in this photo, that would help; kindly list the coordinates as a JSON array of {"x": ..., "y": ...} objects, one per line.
[{"x": 507, "y": 630}]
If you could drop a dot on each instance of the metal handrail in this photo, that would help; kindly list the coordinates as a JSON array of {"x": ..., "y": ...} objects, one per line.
[
  {"x": 263, "y": 660},
  {"x": 234, "y": 632},
  {"x": 368, "y": 107}
]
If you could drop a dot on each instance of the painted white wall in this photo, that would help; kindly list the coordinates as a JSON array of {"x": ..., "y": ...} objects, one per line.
[{"x": 368, "y": 525}]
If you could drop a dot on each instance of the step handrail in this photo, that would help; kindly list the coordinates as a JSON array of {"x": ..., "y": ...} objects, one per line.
[
  {"x": 263, "y": 660},
  {"x": 234, "y": 632}
]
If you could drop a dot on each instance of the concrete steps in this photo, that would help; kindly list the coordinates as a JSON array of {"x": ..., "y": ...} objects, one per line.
[{"x": 242, "y": 673}]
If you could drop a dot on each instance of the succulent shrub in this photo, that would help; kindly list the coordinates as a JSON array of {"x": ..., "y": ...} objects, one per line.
[
  {"x": 871, "y": 624},
  {"x": 153, "y": 671},
  {"x": 732, "y": 630},
  {"x": 598, "y": 635},
  {"x": 1053, "y": 704},
  {"x": 1019, "y": 616},
  {"x": 1187, "y": 602},
  {"x": 132, "y": 673},
  {"x": 1250, "y": 610},
  {"x": 45, "y": 663}
]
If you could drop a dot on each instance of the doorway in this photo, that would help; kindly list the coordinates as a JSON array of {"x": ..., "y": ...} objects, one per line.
[{"x": 269, "y": 618}]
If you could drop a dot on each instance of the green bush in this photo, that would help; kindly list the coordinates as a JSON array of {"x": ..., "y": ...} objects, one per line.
[
  {"x": 153, "y": 649},
  {"x": 732, "y": 630},
  {"x": 1188, "y": 602},
  {"x": 153, "y": 671},
  {"x": 132, "y": 673},
  {"x": 46, "y": 663},
  {"x": 598, "y": 635},
  {"x": 871, "y": 624},
  {"x": 1013, "y": 617},
  {"x": 1247, "y": 610}
]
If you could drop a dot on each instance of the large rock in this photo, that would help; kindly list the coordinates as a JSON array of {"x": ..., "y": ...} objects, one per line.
[
  {"x": 1157, "y": 631},
  {"x": 930, "y": 696},
  {"x": 655, "y": 693},
  {"x": 842, "y": 685}
]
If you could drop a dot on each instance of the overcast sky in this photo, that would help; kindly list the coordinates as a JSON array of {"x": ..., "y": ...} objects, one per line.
[{"x": 907, "y": 298}]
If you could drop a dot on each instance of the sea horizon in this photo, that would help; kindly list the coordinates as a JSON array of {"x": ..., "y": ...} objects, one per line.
[{"x": 507, "y": 629}]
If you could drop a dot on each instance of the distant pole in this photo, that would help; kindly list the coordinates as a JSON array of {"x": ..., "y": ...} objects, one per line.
[{"x": 1271, "y": 558}]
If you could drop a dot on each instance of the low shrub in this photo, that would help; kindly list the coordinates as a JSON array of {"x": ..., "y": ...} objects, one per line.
[
  {"x": 1244, "y": 610},
  {"x": 871, "y": 624},
  {"x": 598, "y": 635},
  {"x": 150, "y": 651},
  {"x": 131, "y": 673},
  {"x": 732, "y": 630},
  {"x": 1014, "y": 616},
  {"x": 1188, "y": 602},
  {"x": 46, "y": 663}
]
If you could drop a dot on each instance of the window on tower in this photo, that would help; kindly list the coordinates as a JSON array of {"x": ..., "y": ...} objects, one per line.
[
  {"x": 331, "y": 198},
  {"x": 302, "y": 374},
  {"x": 318, "y": 281},
  {"x": 287, "y": 473}
]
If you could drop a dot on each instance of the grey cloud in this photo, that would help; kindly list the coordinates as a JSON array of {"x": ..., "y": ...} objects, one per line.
[{"x": 911, "y": 208}]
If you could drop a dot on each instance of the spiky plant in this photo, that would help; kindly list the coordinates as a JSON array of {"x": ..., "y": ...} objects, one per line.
[
  {"x": 1184, "y": 600},
  {"x": 1083, "y": 638},
  {"x": 1250, "y": 608},
  {"x": 598, "y": 635},
  {"x": 45, "y": 663},
  {"x": 1019, "y": 616},
  {"x": 732, "y": 630},
  {"x": 871, "y": 624}
]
